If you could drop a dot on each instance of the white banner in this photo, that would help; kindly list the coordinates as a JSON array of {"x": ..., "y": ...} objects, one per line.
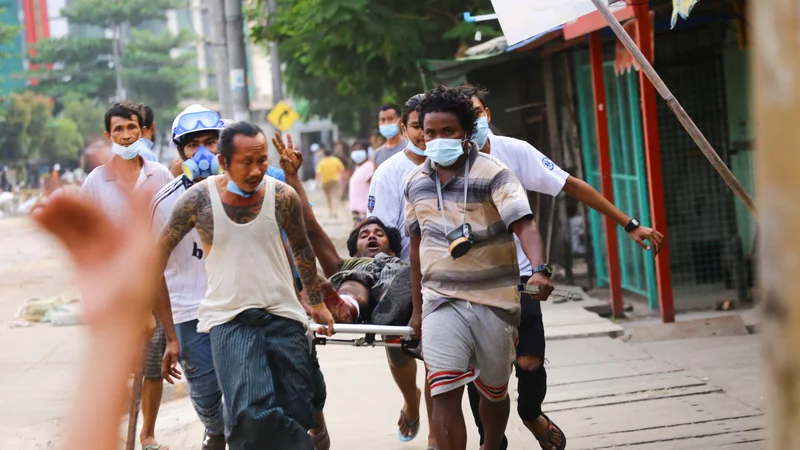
[{"x": 522, "y": 19}]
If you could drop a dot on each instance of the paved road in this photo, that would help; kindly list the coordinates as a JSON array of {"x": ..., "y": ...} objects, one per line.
[{"x": 605, "y": 393}]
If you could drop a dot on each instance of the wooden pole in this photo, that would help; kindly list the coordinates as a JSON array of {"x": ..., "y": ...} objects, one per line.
[
  {"x": 676, "y": 107},
  {"x": 133, "y": 409},
  {"x": 655, "y": 183},
  {"x": 776, "y": 68},
  {"x": 607, "y": 182}
]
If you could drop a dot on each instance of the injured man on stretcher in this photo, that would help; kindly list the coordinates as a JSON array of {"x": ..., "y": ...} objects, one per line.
[{"x": 373, "y": 284}]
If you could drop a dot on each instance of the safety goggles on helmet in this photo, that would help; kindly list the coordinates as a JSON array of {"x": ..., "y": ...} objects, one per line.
[{"x": 197, "y": 121}]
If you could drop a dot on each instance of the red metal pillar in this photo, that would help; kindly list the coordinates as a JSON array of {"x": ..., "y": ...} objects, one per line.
[
  {"x": 653, "y": 158},
  {"x": 603, "y": 147}
]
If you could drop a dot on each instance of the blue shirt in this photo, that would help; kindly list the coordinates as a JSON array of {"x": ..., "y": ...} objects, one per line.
[{"x": 148, "y": 154}]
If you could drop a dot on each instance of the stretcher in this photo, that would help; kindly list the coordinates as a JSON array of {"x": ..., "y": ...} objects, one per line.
[
  {"x": 392, "y": 336},
  {"x": 367, "y": 336}
]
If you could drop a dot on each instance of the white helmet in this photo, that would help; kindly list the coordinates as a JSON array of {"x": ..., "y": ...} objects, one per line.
[{"x": 193, "y": 119}]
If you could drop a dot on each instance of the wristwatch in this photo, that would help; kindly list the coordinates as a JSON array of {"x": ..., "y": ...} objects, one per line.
[
  {"x": 544, "y": 269},
  {"x": 632, "y": 225}
]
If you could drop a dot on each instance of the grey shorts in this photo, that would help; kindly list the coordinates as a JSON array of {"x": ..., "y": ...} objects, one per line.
[
  {"x": 465, "y": 342},
  {"x": 154, "y": 354}
]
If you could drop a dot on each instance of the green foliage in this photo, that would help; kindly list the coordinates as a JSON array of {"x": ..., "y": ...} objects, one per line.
[
  {"x": 108, "y": 13},
  {"x": 347, "y": 56},
  {"x": 7, "y": 34},
  {"x": 86, "y": 114},
  {"x": 62, "y": 141},
  {"x": 83, "y": 76},
  {"x": 29, "y": 131}
]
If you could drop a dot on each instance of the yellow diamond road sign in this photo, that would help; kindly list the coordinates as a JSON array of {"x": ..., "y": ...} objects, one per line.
[{"x": 282, "y": 116}]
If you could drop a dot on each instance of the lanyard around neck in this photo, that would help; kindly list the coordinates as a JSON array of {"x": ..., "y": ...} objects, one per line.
[{"x": 441, "y": 199}]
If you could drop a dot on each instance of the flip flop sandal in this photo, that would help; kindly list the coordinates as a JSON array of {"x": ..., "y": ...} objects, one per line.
[
  {"x": 549, "y": 435},
  {"x": 322, "y": 441},
  {"x": 152, "y": 447},
  {"x": 412, "y": 426}
]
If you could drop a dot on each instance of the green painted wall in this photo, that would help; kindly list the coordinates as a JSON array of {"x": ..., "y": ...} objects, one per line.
[{"x": 12, "y": 63}]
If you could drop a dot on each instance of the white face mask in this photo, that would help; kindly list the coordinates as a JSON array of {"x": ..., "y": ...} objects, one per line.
[
  {"x": 358, "y": 156},
  {"x": 129, "y": 152}
]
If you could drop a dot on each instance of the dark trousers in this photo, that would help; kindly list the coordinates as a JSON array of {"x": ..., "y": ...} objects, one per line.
[
  {"x": 531, "y": 384},
  {"x": 264, "y": 371}
]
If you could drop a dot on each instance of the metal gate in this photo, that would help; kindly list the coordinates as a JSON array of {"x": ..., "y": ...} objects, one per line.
[{"x": 637, "y": 267}]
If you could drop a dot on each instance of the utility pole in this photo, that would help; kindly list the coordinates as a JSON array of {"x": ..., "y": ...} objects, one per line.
[
  {"x": 219, "y": 47},
  {"x": 274, "y": 59},
  {"x": 116, "y": 49},
  {"x": 776, "y": 68},
  {"x": 234, "y": 29}
]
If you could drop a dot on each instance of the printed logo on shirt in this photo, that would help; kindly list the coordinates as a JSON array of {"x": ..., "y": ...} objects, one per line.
[
  {"x": 197, "y": 252},
  {"x": 547, "y": 163},
  {"x": 371, "y": 203}
]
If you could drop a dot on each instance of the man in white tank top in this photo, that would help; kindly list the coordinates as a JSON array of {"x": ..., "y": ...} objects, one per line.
[{"x": 257, "y": 325}]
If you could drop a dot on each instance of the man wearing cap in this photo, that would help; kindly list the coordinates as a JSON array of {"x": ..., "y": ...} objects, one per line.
[{"x": 109, "y": 185}]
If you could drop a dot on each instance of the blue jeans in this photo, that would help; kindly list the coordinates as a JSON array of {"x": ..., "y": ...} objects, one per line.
[
  {"x": 198, "y": 367},
  {"x": 263, "y": 367}
]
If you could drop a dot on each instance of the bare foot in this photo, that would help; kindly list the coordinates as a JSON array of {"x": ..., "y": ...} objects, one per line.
[
  {"x": 410, "y": 425},
  {"x": 539, "y": 429}
]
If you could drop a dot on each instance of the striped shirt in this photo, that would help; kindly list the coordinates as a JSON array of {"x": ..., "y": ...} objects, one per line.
[
  {"x": 489, "y": 273},
  {"x": 186, "y": 269}
]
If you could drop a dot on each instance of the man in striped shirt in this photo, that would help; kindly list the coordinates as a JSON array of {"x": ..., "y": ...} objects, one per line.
[{"x": 462, "y": 207}]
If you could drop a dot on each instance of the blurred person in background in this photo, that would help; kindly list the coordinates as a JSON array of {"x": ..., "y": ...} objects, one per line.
[
  {"x": 375, "y": 142},
  {"x": 109, "y": 186},
  {"x": 148, "y": 132},
  {"x": 359, "y": 182},
  {"x": 389, "y": 121},
  {"x": 329, "y": 173}
]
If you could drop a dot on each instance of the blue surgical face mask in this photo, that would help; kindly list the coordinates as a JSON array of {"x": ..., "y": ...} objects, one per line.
[
  {"x": 358, "y": 156},
  {"x": 389, "y": 130},
  {"x": 234, "y": 189},
  {"x": 444, "y": 152},
  {"x": 481, "y": 132},
  {"x": 202, "y": 164},
  {"x": 129, "y": 152},
  {"x": 415, "y": 150}
]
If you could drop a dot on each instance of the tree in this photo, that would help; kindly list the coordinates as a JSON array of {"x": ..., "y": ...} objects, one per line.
[
  {"x": 7, "y": 34},
  {"x": 62, "y": 141},
  {"x": 86, "y": 66},
  {"x": 30, "y": 132},
  {"x": 346, "y": 57},
  {"x": 85, "y": 113}
]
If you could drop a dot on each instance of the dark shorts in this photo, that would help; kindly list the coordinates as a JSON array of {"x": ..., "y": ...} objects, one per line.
[{"x": 531, "y": 327}]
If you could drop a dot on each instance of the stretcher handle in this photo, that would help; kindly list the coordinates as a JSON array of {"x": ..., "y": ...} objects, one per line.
[{"x": 385, "y": 330}]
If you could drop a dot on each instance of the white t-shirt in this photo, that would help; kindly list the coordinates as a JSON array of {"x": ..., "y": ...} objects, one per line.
[
  {"x": 186, "y": 268},
  {"x": 386, "y": 200},
  {"x": 534, "y": 170}
]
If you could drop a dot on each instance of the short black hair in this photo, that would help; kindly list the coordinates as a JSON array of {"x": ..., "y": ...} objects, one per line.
[
  {"x": 125, "y": 110},
  {"x": 393, "y": 234},
  {"x": 450, "y": 100},
  {"x": 389, "y": 106},
  {"x": 186, "y": 138},
  {"x": 147, "y": 115},
  {"x": 359, "y": 145},
  {"x": 476, "y": 91},
  {"x": 412, "y": 105},
  {"x": 243, "y": 127}
]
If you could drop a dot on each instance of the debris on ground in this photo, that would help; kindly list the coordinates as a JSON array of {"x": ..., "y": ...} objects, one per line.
[{"x": 57, "y": 311}]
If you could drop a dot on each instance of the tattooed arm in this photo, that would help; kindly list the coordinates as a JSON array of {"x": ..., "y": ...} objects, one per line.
[
  {"x": 183, "y": 217},
  {"x": 289, "y": 213}
]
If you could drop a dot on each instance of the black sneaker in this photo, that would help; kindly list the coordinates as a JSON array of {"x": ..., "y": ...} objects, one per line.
[{"x": 213, "y": 441}]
